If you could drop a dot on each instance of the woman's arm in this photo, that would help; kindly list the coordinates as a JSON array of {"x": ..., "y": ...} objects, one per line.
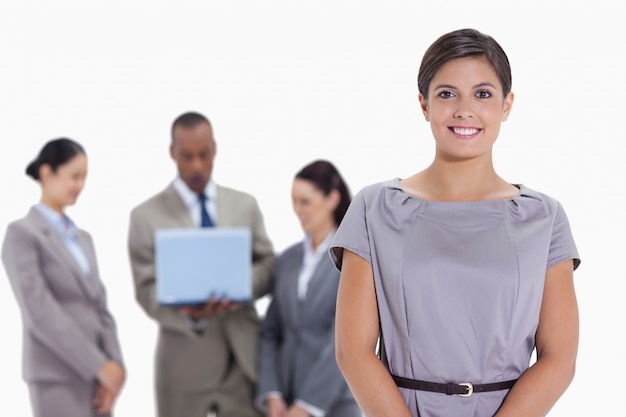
[
  {"x": 109, "y": 334},
  {"x": 357, "y": 330},
  {"x": 542, "y": 384}
]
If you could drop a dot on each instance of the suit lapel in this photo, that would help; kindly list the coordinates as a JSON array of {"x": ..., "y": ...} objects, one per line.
[
  {"x": 317, "y": 285},
  {"x": 176, "y": 208},
  {"x": 57, "y": 246},
  {"x": 93, "y": 280},
  {"x": 295, "y": 304},
  {"x": 223, "y": 204}
]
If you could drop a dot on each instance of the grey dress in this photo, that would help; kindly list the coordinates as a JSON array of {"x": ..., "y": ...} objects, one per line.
[{"x": 459, "y": 285}]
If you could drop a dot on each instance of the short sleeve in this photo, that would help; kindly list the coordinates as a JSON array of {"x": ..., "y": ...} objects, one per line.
[
  {"x": 562, "y": 245},
  {"x": 352, "y": 233}
]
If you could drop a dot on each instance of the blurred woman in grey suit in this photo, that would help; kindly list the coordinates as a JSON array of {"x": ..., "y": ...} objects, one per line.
[
  {"x": 72, "y": 361},
  {"x": 298, "y": 371}
]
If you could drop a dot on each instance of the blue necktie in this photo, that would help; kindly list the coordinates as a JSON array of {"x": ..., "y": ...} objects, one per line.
[{"x": 205, "y": 219}]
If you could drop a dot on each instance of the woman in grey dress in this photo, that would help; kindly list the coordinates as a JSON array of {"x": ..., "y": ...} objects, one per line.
[{"x": 461, "y": 274}]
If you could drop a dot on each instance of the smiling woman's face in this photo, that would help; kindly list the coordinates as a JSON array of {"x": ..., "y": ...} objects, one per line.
[{"x": 465, "y": 107}]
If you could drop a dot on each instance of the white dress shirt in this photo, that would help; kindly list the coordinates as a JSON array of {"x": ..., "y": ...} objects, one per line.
[
  {"x": 190, "y": 198},
  {"x": 310, "y": 260}
]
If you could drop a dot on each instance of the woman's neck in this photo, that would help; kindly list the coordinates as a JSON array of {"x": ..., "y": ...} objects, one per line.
[
  {"x": 459, "y": 181},
  {"x": 318, "y": 236},
  {"x": 52, "y": 204}
]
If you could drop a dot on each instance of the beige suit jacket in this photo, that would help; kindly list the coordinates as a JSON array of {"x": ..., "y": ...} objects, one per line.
[
  {"x": 68, "y": 330},
  {"x": 187, "y": 361}
]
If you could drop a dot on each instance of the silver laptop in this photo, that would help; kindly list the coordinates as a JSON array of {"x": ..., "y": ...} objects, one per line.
[{"x": 194, "y": 264}]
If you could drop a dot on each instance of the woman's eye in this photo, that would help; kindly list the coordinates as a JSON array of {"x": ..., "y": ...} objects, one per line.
[
  {"x": 445, "y": 94},
  {"x": 483, "y": 94}
]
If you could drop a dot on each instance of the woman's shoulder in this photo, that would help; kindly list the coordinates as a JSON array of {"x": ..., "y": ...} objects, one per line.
[
  {"x": 377, "y": 189},
  {"x": 292, "y": 249},
  {"x": 532, "y": 196},
  {"x": 22, "y": 229},
  {"x": 25, "y": 222},
  {"x": 289, "y": 258},
  {"x": 291, "y": 255},
  {"x": 386, "y": 198}
]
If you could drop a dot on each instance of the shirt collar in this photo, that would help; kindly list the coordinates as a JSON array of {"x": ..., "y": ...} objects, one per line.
[
  {"x": 189, "y": 197},
  {"x": 60, "y": 222}
]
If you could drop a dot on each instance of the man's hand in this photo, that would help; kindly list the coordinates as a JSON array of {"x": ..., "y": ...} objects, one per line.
[{"x": 211, "y": 308}]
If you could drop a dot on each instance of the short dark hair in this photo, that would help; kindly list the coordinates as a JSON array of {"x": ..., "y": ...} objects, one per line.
[
  {"x": 189, "y": 120},
  {"x": 326, "y": 177},
  {"x": 464, "y": 43},
  {"x": 55, "y": 153}
]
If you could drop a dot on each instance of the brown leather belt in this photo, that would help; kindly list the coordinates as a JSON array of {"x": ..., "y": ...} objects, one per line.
[{"x": 462, "y": 389}]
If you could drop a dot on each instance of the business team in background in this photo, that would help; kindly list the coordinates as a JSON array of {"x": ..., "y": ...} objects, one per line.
[
  {"x": 207, "y": 357},
  {"x": 72, "y": 361}
]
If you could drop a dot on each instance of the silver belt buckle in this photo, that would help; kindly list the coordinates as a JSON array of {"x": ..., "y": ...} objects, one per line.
[{"x": 470, "y": 389}]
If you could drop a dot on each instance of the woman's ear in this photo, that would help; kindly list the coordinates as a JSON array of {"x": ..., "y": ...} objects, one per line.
[
  {"x": 334, "y": 197},
  {"x": 508, "y": 105},
  {"x": 424, "y": 106},
  {"x": 45, "y": 172}
]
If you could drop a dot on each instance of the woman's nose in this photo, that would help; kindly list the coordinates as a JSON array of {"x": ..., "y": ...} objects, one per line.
[{"x": 464, "y": 110}]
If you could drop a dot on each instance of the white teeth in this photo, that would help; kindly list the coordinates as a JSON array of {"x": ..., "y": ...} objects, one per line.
[{"x": 465, "y": 131}]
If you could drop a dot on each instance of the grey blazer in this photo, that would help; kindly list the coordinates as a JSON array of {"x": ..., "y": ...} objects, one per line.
[
  {"x": 297, "y": 344},
  {"x": 186, "y": 361},
  {"x": 68, "y": 332}
]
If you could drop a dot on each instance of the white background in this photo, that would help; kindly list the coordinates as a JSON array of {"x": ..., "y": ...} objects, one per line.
[{"x": 284, "y": 84}]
